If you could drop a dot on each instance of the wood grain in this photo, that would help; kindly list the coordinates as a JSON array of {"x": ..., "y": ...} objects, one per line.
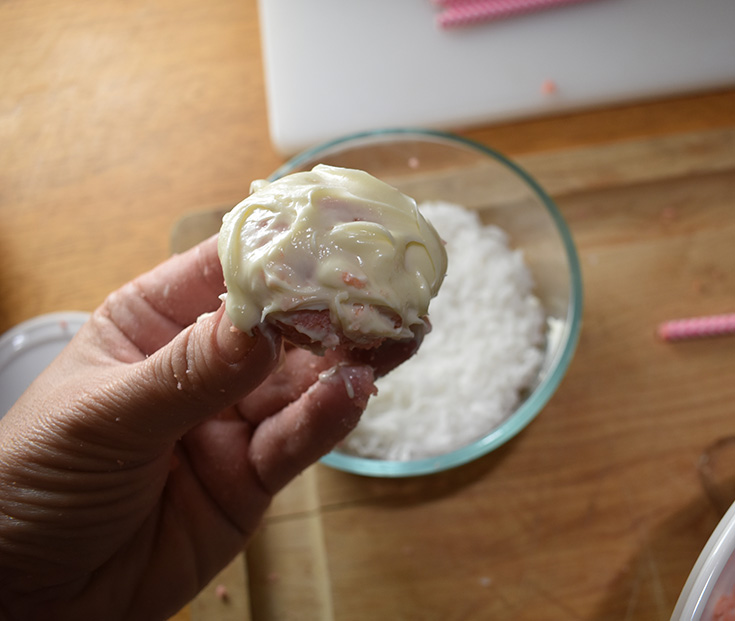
[
  {"x": 571, "y": 511},
  {"x": 597, "y": 510},
  {"x": 118, "y": 118},
  {"x": 226, "y": 598}
]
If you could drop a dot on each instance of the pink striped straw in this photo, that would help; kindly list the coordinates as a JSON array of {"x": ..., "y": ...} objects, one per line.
[
  {"x": 697, "y": 327},
  {"x": 458, "y": 13},
  {"x": 452, "y": 2}
]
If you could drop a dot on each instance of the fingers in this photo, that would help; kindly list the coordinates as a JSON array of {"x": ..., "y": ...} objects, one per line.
[
  {"x": 390, "y": 354},
  {"x": 206, "y": 368},
  {"x": 217, "y": 452},
  {"x": 153, "y": 308},
  {"x": 286, "y": 443},
  {"x": 186, "y": 285},
  {"x": 298, "y": 370}
]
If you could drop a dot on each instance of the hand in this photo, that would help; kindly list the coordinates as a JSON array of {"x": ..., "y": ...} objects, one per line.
[{"x": 140, "y": 462}]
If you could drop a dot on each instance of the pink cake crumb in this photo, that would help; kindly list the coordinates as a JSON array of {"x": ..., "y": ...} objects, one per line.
[
  {"x": 548, "y": 87},
  {"x": 222, "y": 593}
]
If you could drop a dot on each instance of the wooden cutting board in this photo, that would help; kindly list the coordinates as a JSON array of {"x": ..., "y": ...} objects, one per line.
[{"x": 599, "y": 509}]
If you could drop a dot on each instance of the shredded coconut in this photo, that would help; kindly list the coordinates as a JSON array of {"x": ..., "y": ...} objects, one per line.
[{"x": 485, "y": 348}]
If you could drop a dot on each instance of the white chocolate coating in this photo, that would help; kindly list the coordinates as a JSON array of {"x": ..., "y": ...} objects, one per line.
[{"x": 331, "y": 238}]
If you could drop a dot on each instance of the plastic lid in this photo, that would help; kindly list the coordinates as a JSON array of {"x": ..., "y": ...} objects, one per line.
[{"x": 28, "y": 348}]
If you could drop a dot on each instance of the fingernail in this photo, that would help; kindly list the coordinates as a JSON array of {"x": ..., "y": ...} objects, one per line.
[{"x": 233, "y": 344}]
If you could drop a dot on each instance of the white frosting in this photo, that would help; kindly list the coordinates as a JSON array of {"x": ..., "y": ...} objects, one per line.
[{"x": 331, "y": 238}]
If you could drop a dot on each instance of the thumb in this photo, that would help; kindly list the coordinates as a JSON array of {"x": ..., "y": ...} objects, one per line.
[{"x": 207, "y": 367}]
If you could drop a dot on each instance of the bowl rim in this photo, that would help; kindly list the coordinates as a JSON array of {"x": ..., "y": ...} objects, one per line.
[
  {"x": 703, "y": 578},
  {"x": 540, "y": 396}
]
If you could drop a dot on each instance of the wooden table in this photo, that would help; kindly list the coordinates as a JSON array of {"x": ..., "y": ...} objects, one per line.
[{"x": 118, "y": 118}]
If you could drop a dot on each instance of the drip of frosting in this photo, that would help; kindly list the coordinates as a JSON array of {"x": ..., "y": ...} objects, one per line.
[{"x": 331, "y": 238}]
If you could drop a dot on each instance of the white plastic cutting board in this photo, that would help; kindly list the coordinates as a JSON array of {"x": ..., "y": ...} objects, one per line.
[{"x": 334, "y": 67}]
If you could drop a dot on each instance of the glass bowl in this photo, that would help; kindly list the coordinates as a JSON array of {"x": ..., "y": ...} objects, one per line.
[{"x": 437, "y": 166}]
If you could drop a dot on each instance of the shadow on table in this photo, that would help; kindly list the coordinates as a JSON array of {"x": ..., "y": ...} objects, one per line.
[
  {"x": 409, "y": 491},
  {"x": 649, "y": 586}
]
